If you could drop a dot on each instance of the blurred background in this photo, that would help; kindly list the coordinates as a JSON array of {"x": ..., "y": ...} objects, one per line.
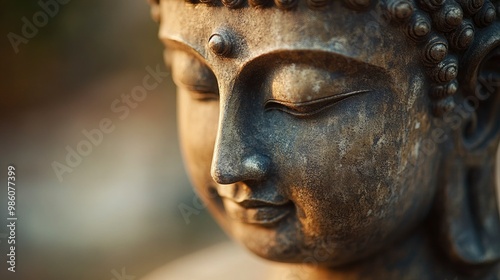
[{"x": 118, "y": 208}]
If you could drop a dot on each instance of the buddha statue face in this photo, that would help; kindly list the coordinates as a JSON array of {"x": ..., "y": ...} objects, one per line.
[{"x": 324, "y": 128}]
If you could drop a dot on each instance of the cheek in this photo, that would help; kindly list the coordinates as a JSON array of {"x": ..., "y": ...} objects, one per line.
[
  {"x": 347, "y": 178},
  {"x": 197, "y": 129}
]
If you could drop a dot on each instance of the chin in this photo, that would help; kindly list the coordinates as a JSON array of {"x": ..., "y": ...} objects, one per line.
[{"x": 285, "y": 244}]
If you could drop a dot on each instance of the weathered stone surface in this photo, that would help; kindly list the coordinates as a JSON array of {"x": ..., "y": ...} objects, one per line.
[{"x": 351, "y": 140}]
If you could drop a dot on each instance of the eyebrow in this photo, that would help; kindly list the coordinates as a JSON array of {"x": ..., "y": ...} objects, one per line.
[
  {"x": 180, "y": 44},
  {"x": 319, "y": 57}
]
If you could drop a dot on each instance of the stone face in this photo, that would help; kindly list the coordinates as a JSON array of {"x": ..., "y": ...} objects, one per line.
[{"x": 343, "y": 138}]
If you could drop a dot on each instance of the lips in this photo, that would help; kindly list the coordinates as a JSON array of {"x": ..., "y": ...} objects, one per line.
[{"x": 258, "y": 212}]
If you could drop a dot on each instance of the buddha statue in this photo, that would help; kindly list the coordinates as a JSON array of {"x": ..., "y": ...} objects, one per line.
[{"x": 345, "y": 139}]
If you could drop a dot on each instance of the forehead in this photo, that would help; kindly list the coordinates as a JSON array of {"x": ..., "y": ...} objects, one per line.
[{"x": 338, "y": 30}]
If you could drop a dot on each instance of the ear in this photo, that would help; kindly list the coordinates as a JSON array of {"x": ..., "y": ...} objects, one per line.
[
  {"x": 155, "y": 9},
  {"x": 467, "y": 204}
]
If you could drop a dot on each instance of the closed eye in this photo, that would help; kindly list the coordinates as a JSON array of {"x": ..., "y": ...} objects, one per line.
[
  {"x": 202, "y": 93},
  {"x": 194, "y": 77},
  {"x": 308, "y": 108}
]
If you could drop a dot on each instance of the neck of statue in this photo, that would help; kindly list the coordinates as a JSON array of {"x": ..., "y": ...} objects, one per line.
[{"x": 412, "y": 258}]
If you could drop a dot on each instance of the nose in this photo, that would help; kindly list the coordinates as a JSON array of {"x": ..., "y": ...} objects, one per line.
[
  {"x": 239, "y": 150},
  {"x": 228, "y": 168}
]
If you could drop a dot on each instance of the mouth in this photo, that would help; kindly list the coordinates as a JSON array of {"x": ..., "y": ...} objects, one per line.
[{"x": 258, "y": 212}]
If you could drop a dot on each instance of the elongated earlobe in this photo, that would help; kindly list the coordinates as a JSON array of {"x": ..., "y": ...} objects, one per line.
[
  {"x": 469, "y": 223},
  {"x": 467, "y": 205}
]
